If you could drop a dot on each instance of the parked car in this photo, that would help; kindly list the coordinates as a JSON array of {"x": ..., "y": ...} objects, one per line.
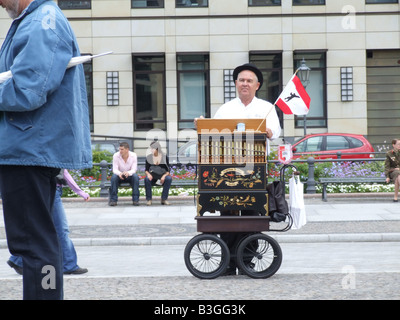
[
  {"x": 326, "y": 145},
  {"x": 187, "y": 153},
  {"x": 111, "y": 147}
]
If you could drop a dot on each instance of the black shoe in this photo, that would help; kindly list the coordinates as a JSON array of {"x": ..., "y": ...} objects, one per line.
[
  {"x": 230, "y": 271},
  {"x": 17, "y": 269},
  {"x": 250, "y": 266},
  {"x": 77, "y": 271},
  {"x": 112, "y": 203}
]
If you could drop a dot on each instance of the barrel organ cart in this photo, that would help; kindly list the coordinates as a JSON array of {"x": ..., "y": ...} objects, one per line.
[{"x": 232, "y": 176}]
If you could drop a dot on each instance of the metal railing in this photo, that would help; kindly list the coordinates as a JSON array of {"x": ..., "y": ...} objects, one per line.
[
  {"x": 105, "y": 184},
  {"x": 311, "y": 182}
]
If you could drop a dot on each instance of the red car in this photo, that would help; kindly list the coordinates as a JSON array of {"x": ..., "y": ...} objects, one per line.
[{"x": 321, "y": 146}]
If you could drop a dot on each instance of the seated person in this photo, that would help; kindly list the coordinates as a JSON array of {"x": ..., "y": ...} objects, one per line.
[
  {"x": 124, "y": 170},
  {"x": 157, "y": 172},
  {"x": 392, "y": 167}
]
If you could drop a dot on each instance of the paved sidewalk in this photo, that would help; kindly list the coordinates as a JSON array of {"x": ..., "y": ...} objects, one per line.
[{"x": 342, "y": 218}]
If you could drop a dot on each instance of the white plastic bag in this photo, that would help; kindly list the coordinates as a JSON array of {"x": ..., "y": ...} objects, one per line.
[{"x": 296, "y": 202}]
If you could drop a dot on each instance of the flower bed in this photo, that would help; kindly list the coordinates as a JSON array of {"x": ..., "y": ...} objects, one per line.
[
  {"x": 322, "y": 169},
  {"x": 356, "y": 188},
  {"x": 127, "y": 192},
  {"x": 89, "y": 183}
]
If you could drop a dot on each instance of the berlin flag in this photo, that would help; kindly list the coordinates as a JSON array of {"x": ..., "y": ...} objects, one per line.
[{"x": 294, "y": 99}]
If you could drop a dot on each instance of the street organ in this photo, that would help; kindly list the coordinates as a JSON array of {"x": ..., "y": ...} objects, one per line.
[
  {"x": 232, "y": 162},
  {"x": 232, "y": 165}
]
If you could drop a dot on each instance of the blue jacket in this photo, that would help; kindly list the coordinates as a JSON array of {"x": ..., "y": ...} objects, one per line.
[{"x": 44, "y": 118}]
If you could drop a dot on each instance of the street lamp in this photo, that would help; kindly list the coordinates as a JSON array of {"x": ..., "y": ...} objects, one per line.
[{"x": 304, "y": 74}]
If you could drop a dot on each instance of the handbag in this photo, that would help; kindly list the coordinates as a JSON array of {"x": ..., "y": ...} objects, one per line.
[
  {"x": 60, "y": 179},
  {"x": 296, "y": 202},
  {"x": 157, "y": 172},
  {"x": 277, "y": 204}
]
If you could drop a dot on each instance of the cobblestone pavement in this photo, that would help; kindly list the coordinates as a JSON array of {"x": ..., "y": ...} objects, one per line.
[
  {"x": 365, "y": 286},
  {"x": 161, "y": 274},
  {"x": 308, "y": 271}
]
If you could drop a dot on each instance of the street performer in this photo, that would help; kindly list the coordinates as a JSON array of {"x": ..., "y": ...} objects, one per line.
[
  {"x": 248, "y": 80},
  {"x": 392, "y": 167}
]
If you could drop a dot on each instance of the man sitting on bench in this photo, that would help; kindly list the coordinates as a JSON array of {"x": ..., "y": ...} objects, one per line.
[{"x": 124, "y": 170}]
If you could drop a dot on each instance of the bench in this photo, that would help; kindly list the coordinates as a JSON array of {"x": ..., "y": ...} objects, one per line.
[
  {"x": 176, "y": 183},
  {"x": 326, "y": 181}
]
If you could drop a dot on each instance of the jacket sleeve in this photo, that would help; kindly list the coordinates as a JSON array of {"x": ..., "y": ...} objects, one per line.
[
  {"x": 72, "y": 184},
  {"x": 147, "y": 165},
  {"x": 39, "y": 57},
  {"x": 388, "y": 166},
  {"x": 115, "y": 167},
  {"x": 273, "y": 123}
]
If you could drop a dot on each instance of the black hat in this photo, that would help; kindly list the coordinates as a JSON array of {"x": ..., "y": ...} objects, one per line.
[{"x": 251, "y": 67}]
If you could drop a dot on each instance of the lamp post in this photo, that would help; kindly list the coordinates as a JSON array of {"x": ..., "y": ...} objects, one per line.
[{"x": 304, "y": 74}]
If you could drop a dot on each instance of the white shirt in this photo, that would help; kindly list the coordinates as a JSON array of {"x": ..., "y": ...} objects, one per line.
[
  {"x": 119, "y": 164},
  {"x": 257, "y": 109}
]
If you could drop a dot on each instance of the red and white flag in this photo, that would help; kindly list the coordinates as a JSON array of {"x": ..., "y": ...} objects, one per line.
[{"x": 294, "y": 99}]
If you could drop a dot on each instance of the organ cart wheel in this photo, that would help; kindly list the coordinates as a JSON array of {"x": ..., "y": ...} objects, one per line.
[
  {"x": 259, "y": 256},
  {"x": 206, "y": 256}
]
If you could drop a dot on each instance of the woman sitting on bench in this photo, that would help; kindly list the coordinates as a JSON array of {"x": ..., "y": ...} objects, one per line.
[{"x": 157, "y": 173}]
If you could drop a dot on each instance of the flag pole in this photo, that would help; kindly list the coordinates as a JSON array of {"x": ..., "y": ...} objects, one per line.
[
  {"x": 265, "y": 117},
  {"x": 275, "y": 102}
]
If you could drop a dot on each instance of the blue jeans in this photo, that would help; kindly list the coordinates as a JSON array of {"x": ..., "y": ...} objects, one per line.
[
  {"x": 148, "y": 184},
  {"x": 133, "y": 180},
  {"x": 61, "y": 225},
  {"x": 28, "y": 197}
]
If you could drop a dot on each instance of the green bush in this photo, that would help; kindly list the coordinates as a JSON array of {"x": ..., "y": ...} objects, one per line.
[
  {"x": 302, "y": 167},
  {"x": 319, "y": 169},
  {"x": 98, "y": 156}
]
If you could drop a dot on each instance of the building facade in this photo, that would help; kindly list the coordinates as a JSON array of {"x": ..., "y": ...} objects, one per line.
[{"x": 172, "y": 61}]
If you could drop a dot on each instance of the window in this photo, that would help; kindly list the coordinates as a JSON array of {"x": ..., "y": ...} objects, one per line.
[
  {"x": 112, "y": 83},
  {"x": 260, "y": 3},
  {"x": 229, "y": 86},
  {"x": 355, "y": 143},
  {"x": 381, "y": 1},
  {"x": 312, "y": 144},
  {"x": 147, "y": 3},
  {"x": 316, "y": 89},
  {"x": 346, "y": 83},
  {"x": 88, "y": 69},
  {"x": 149, "y": 91},
  {"x": 270, "y": 64},
  {"x": 308, "y": 2},
  {"x": 336, "y": 143},
  {"x": 191, "y": 3},
  {"x": 74, "y": 4},
  {"x": 193, "y": 88}
]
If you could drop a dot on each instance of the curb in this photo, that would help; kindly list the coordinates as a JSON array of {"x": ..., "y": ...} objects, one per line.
[
  {"x": 371, "y": 196},
  {"x": 299, "y": 238}
]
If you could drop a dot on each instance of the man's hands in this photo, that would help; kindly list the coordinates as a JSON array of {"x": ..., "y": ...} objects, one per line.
[
  {"x": 269, "y": 133},
  {"x": 124, "y": 175}
]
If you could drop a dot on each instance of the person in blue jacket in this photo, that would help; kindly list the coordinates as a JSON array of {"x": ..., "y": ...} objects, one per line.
[{"x": 44, "y": 126}]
